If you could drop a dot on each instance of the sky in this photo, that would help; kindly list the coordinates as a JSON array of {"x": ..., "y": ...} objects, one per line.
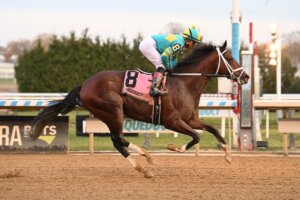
[{"x": 25, "y": 19}]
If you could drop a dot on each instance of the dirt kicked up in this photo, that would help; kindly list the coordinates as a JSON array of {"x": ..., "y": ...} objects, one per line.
[{"x": 106, "y": 177}]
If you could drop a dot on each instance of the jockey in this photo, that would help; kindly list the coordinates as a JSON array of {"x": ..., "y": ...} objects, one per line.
[{"x": 162, "y": 51}]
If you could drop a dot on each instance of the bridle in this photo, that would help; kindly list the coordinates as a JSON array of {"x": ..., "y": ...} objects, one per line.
[
  {"x": 229, "y": 68},
  {"x": 231, "y": 71}
]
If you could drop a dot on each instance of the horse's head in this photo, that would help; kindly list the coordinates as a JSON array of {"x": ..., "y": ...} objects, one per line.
[
  {"x": 228, "y": 66},
  {"x": 211, "y": 61}
]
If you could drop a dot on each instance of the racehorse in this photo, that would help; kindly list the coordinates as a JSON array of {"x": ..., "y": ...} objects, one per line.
[{"x": 101, "y": 95}]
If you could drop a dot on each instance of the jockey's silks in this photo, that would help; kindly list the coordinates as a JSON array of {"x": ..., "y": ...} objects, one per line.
[{"x": 169, "y": 46}]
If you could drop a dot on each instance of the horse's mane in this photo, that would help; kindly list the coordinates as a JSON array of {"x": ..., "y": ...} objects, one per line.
[{"x": 198, "y": 53}]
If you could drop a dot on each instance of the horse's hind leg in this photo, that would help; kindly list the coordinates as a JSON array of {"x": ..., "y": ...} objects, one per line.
[{"x": 198, "y": 124}]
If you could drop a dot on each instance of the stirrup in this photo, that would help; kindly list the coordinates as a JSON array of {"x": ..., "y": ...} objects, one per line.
[
  {"x": 163, "y": 92},
  {"x": 155, "y": 92}
]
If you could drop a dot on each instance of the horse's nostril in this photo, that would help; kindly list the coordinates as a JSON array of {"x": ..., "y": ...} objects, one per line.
[{"x": 247, "y": 77}]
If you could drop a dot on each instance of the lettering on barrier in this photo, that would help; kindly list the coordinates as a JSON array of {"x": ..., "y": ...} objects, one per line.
[
  {"x": 209, "y": 113},
  {"x": 215, "y": 113},
  {"x": 138, "y": 126},
  {"x": 15, "y": 130},
  {"x": 130, "y": 127}
]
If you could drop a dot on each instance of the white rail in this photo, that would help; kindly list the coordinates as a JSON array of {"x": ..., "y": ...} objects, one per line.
[
  {"x": 28, "y": 100},
  {"x": 41, "y": 100}
]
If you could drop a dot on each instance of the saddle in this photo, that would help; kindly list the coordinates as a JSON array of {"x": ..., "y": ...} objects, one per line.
[{"x": 137, "y": 84}]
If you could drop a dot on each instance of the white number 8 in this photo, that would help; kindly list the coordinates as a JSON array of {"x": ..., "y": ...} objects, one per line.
[{"x": 176, "y": 47}]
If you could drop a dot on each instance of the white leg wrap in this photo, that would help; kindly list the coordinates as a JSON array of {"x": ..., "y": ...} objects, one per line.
[
  {"x": 183, "y": 148},
  {"x": 132, "y": 161},
  {"x": 136, "y": 148}
]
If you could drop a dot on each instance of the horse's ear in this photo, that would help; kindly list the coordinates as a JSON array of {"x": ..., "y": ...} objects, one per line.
[{"x": 224, "y": 45}]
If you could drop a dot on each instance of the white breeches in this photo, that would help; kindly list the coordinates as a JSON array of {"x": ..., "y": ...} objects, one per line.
[{"x": 148, "y": 49}]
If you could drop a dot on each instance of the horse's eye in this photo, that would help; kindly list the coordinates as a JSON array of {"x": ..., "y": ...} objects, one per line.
[{"x": 230, "y": 59}]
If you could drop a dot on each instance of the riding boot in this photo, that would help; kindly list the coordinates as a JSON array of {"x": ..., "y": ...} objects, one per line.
[{"x": 156, "y": 83}]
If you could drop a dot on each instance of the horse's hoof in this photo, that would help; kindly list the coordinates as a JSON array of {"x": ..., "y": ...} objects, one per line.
[
  {"x": 150, "y": 160},
  {"x": 148, "y": 157},
  {"x": 148, "y": 174},
  {"x": 228, "y": 159},
  {"x": 172, "y": 147}
]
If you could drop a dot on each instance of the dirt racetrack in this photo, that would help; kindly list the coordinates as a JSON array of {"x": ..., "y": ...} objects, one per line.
[{"x": 106, "y": 177}]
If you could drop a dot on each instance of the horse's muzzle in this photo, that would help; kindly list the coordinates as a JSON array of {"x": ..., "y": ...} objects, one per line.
[{"x": 243, "y": 79}]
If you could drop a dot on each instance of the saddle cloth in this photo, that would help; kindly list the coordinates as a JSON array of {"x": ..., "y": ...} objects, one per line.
[{"x": 137, "y": 84}]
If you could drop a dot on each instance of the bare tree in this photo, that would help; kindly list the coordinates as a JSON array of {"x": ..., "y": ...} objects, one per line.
[
  {"x": 45, "y": 40},
  {"x": 16, "y": 48},
  {"x": 174, "y": 27},
  {"x": 291, "y": 48}
]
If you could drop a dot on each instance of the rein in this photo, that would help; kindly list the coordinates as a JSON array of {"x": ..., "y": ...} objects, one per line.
[
  {"x": 231, "y": 71},
  {"x": 200, "y": 74}
]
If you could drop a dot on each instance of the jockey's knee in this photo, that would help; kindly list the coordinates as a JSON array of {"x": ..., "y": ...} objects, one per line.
[{"x": 161, "y": 69}]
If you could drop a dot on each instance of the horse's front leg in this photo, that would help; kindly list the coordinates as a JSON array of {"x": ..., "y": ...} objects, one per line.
[
  {"x": 141, "y": 151},
  {"x": 198, "y": 124},
  {"x": 120, "y": 144},
  {"x": 182, "y": 127}
]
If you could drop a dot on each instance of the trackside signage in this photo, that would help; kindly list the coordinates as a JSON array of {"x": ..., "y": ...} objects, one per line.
[
  {"x": 15, "y": 130},
  {"x": 129, "y": 126},
  {"x": 138, "y": 126}
]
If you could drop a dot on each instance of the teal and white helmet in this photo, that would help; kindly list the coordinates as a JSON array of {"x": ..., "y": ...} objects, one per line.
[{"x": 193, "y": 34}]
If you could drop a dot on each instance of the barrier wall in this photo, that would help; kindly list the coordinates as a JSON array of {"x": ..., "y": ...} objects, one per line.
[{"x": 15, "y": 130}]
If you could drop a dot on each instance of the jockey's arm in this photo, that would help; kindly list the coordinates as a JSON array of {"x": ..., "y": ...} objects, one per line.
[
  {"x": 168, "y": 57},
  {"x": 165, "y": 57},
  {"x": 173, "y": 61}
]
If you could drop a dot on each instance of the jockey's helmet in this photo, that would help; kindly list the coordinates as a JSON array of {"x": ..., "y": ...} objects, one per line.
[{"x": 192, "y": 34}]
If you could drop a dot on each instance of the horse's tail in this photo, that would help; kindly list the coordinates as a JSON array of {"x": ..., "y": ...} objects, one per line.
[{"x": 49, "y": 113}]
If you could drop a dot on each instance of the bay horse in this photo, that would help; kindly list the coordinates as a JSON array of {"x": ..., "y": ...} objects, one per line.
[{"x": 101, "y": 95}]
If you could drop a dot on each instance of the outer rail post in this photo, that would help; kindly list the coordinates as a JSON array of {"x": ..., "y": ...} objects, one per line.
[
  {"x": 197, "y": 147},
  {"x": 91, "y": 143},
  {"x": 285, "y": 144},
  {"x": 91, "y": 139}
]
